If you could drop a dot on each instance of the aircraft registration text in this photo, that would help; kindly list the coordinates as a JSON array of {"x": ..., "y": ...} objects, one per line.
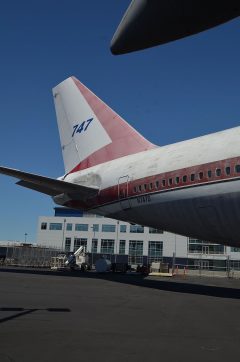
[{"x": 143, "y": 199}]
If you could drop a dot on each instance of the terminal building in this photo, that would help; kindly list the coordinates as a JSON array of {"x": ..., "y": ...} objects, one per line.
[{"x": 122, "y": 242}]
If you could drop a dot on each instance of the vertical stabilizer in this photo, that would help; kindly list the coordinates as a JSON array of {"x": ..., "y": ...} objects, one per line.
[{"x": 91, "y": 133}]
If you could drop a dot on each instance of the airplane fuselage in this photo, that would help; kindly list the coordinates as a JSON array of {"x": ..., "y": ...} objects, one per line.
[{"x": 191, "y": 187}]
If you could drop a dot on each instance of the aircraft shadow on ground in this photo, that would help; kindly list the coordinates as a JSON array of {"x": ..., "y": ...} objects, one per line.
[
  {"x": 175, "y": 285},
  {"x": 24, "y": 311}
]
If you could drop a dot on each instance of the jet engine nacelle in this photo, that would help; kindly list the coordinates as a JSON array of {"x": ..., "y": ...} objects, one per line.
[{"x": 148, "y": 23}]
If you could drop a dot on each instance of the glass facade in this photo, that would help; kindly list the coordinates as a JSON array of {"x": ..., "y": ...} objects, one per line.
[
  {"x": 107, "y": 228},
  {"x": 155, "y": 251},
  {"x": 136, "y": 229},
  {"x": 94, "y": 245},
  {"x": 68, "y": 244},
  {"x": 235, "y": 264},
  {"x": 95, "y": 227},
  {"x": 55, "y": 226},
  {"x": 155, "y": 231},
  {"x": 196, "y": 246},
  {"x": 69, "y": 227},
  {"x": 107, "y": 246},
  {"x": 135, "y": 255},
  {"x": 79, "y": 242},
  {"x": 43, "y": 226},
  {"x": 123, "y": 228},
  {"x": 81, "y": 227},
  {"x": 122, "y": 247}
]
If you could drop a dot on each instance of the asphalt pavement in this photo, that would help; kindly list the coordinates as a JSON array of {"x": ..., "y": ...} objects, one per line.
[{"x": 48, "y": 316}]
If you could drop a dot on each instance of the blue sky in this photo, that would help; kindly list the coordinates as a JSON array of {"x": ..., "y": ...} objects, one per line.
[{"x": 170, "y": 93}]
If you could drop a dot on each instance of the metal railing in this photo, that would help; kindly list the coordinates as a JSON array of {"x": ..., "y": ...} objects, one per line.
[
  {"x": 228, "y": 271},
  {"x": 30, "y": 256}
]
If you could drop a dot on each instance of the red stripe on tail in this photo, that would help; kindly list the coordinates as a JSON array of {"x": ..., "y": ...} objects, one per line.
[{"x": 125, "y": 140}]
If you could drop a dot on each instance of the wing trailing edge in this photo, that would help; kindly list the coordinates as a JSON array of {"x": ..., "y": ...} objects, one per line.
[{"x": 48, "y": 185}]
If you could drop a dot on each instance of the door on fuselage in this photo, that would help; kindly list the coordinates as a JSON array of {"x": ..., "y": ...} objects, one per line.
[{"x": 123, "y": 192}]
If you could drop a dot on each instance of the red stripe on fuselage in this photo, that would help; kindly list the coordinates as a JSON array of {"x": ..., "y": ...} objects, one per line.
[{"x": 111, "y": 194}]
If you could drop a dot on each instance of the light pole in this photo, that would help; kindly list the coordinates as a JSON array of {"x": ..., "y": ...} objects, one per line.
[
  {"x": 93, "y": 229},
  {"x": 174, "y": 255},
  {"x": 116, "y": 243},
  {"x": 25, "y": 237},
  {"x": 64, "y": 223}
]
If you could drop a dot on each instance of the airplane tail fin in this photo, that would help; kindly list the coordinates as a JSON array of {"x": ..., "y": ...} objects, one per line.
[{"x": 91, "y": 133}]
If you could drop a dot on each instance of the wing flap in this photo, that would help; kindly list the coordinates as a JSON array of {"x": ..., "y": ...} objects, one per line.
[
  {"x": 48, "y": 185},
  {"x": 39, "y": 188}
]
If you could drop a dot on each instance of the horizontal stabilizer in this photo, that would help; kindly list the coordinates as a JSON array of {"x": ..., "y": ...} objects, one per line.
[{"x": 48, "y": 185}]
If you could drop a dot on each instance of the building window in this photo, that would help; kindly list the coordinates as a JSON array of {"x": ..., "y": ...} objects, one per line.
[
  {"x": 79, "y": 242},
  {"x": 94, "y": 245},
  {"x": 209, "y": 173},
  {"x": 135, "y": 255},
  {"x": 155, "y": 231},
  {"x": 170, "y": 181},
  {"x": 43, "y": 226},
  {"x": 108, "y": 228},
  {"x": 196, "y": 246},
  {"x": 123, "y": 228},
  {"x": 227, "y": 170},
  {"x": 139, "y": 188},
  {"x": 135, "y": 189},
  {"x": 155, "y": 251},
  {"x": 68, "y": 244},
  {"x": 107, "y": 246},
  {"x": 122, "y": 247},
  {"x": 163, "y": 183},
  {"x": 136, "y": 229},
  {"x": 157, "y": 184},
  {"x": 218, "y": 172},
  {"x": 95, "y": 227},
  {"x": 184, "y": 178},
  {"x": 69, "y": 227},
  {"x": 192, "y": 177},
  {"x": 55, "y": 226},
  {"x": 177, "y": 180},
  {"x": 81, "y": 227}
]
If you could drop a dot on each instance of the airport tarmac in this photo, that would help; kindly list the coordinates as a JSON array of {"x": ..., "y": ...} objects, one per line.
[{"x": 49, "y": 316}]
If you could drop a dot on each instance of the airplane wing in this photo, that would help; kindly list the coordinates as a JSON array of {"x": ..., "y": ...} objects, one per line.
[{"x": 48, "y": 185}]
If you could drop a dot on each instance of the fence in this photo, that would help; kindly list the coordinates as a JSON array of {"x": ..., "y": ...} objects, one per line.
[
  {"x": 230, "y": 270},
  {"x": 30, "y": 256}
]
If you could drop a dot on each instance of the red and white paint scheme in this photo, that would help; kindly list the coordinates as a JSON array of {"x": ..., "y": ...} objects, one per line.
[{"x": 190, "y": 188}]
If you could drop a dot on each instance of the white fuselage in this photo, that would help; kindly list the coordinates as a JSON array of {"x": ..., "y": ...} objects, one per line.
[{"x": 191, "y": 187}]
